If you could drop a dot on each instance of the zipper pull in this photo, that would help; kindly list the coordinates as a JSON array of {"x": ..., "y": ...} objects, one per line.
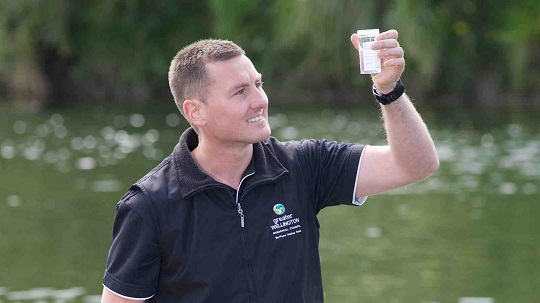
[{"x": 241, "y": 212}]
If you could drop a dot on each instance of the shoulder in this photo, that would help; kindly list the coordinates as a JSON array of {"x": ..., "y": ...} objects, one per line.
[
  {"x": 276, "y": 145},
  {"x": 283, "y": 151},
  {"x": 137, "y": 198},
  {"x": 165, "y": 169},
  {"x": 309, "y": 146},
  {"x": 134, "y": 200}
]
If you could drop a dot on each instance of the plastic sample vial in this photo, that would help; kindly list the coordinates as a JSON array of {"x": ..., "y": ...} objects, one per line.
[{"x": 370, "y": 63}]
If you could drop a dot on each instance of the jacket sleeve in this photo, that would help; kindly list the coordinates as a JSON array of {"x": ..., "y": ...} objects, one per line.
[
  {"x": 133, "y": 264},
  {"x": 331, "y": 170}
]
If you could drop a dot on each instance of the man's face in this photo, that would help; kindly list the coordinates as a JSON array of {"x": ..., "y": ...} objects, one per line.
[{"x": 236, "y": 110}]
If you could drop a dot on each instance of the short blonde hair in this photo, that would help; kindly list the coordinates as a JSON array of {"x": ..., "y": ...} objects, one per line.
[{"x": 188, "y": 77}]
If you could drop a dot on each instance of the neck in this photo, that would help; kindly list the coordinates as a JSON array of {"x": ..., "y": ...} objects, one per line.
[{"x": 225, "y": 164}]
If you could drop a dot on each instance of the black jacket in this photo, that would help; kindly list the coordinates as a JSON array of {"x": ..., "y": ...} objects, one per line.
[{"x": 180, "y": 236}]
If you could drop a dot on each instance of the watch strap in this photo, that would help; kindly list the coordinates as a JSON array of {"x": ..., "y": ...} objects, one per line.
[{"x": 392, "y": 96}]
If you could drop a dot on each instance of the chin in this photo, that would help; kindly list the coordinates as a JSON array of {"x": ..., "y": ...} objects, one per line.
[{"x": 262, "y": 136}]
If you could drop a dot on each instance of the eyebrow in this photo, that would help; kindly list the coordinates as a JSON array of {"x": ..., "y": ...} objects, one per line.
[{"x": 244, "y": 84}]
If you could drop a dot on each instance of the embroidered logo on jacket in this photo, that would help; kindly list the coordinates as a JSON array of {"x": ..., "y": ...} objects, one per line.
[
  {"x": 284, "y": 225},
  {"x": 279, "y": 209}
]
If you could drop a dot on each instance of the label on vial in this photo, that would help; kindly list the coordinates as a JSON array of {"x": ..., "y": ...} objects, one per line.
[{"x": 370, "y": 63}]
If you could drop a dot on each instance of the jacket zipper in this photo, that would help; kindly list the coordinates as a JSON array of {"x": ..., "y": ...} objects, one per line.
[
  {"x": 251, "y": 286},
  {"x": 240, "y": 210}
]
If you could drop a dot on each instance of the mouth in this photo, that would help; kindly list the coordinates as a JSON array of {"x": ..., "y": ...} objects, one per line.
[{"x": 258, "y": 118}]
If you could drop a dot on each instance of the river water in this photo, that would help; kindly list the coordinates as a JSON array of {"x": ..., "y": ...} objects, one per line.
[{"x": 467, "y": 234}]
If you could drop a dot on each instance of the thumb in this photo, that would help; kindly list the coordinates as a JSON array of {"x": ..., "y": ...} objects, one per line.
[{"x": 354, "y": 41}]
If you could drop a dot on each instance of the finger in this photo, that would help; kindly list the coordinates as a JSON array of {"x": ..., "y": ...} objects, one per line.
[
  {"x": 354, "y": 40},
  {"x": 382, "y": 44},
  {"x": 389, "y": 34},
  {"x": 397, "y": 52},
  {"x": 394, "y": 62}
]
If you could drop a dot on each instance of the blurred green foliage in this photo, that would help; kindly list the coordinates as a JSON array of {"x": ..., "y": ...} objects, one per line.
[{"x": 473, "y": 52}]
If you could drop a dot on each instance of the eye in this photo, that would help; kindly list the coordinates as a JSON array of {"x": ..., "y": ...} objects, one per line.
[
  {"x": 259, "y": 84},
  {"x": 239, "y": 92}
]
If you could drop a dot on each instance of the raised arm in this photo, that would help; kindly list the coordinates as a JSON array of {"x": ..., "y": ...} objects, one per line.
[{"x": 410, "y": 155}]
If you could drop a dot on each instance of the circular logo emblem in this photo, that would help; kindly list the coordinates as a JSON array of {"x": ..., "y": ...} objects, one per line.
[{"x": 279, "y": 209}]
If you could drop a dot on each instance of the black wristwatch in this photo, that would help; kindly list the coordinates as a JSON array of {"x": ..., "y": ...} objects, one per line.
[{"x": 392, "y": 96}]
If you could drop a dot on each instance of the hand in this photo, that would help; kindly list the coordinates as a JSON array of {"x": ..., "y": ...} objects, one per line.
[{"x": 392, "y": 57}]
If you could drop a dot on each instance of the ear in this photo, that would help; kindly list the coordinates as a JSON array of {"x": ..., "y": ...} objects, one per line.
[{"x": 194, "y": 111}]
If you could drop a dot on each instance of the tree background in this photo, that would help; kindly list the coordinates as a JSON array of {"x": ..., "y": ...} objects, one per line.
[{"x": 459, "y": 53}]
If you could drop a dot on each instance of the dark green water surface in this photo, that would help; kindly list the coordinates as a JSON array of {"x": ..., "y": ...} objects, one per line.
[{"x": 471, "y": 230}]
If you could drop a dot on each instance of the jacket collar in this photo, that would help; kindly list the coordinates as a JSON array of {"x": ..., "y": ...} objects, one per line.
[{"x": 192, "y": 179}]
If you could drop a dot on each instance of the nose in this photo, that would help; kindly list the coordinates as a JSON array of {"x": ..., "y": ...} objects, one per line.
[{"x": 260, "y": 100}]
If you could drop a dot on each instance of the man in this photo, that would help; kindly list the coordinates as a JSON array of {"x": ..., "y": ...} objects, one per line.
[{"x": 230, "y": 215}]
